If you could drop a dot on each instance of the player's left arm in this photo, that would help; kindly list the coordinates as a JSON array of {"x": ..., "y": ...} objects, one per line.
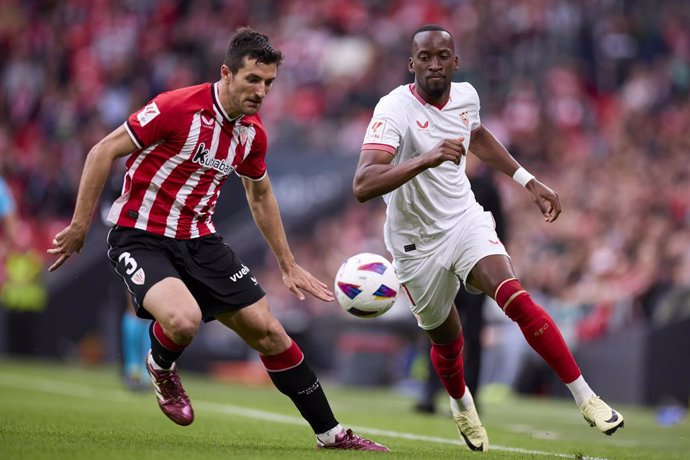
[
  {"x": 266, "y": 214},
  {"x": 490, "y": 150}
]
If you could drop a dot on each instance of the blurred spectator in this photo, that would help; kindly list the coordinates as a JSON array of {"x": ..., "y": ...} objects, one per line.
[
  {"x": 22, "y": 290},
  {"x": 22, "y": 294},
  {"x": 8, "y": 215}
]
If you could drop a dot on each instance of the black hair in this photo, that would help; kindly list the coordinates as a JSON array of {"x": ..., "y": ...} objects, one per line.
[
  {"x": 430, "y": 28},
  {"x": 253, "y": 45}
]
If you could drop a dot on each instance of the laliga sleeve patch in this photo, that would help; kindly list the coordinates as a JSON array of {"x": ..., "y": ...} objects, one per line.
[
  {"x": 375, "y": 131},
  {"x": 148, "y": 113}
]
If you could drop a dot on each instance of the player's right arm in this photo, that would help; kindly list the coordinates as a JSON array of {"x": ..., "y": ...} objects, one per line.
[
  {"x": 376, "y": 176},
  {"x": 96, "y": 169}
]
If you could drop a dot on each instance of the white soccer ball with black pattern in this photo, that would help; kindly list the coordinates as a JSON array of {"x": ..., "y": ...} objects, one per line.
[{"x": 366, "y": 285}]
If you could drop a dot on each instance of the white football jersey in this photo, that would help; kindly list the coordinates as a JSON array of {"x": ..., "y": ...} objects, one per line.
[{"x": 422, "y": 212}]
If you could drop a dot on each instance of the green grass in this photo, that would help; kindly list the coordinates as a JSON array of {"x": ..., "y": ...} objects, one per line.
[{"x": 53, "y": 411}]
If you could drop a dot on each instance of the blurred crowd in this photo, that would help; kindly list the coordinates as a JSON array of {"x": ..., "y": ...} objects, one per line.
[{"x": 589, "y": 95}]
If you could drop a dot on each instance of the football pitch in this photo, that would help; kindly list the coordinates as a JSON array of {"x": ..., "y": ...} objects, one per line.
[{"x": 53, "y": 411}]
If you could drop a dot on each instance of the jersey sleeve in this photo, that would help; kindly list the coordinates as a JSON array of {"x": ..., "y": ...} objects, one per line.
[
  {"x": 153, "y": 122},
  {"x": 385, "y": 130},
  {"x": 473, "y": 114},
  {"x": 254, "y": 165}
]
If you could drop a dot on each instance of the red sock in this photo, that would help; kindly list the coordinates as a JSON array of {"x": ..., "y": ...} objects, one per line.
[
  {"x": 163, "y": 350},
  {"x": 447, "y": 360},
  {"x": 164, "y": 340},
  {"x": 538, "y": 327},
  {"x": 292, "y": 357}
]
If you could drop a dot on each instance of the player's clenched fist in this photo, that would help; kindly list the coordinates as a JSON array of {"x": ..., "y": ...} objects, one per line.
[{"x": 446, "y": 150}]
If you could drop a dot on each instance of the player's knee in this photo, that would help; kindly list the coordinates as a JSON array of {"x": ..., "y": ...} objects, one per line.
[
  {"x": 182, "y": 326},
  {"x": 273, "y": 339},
  {"x": 514, "y": 300},
  {"x": 448, "y": 351}
]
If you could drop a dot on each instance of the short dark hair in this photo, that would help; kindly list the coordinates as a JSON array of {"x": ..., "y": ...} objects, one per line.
[
  {"x": 430, "y": 28},
  {"x": 253, "y": 45}
]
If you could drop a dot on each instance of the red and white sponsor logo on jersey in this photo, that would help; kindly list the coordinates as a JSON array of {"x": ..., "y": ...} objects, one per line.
[
  {"x": 424, "y": 125},
  {"x": 148, "y": 113}
]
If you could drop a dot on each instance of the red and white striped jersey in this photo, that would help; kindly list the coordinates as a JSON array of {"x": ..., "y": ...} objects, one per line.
[{"x": 187, "y": 147}]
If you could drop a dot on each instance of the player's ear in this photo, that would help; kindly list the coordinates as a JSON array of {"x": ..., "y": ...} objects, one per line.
[
  {"x": 410, "y": 65},
  {"x": 457, "y": 62},
  {"x": 225, "y": 72}
]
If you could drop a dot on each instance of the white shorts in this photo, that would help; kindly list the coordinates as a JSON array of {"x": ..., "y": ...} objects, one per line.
[{"x": 432, "y": 282}]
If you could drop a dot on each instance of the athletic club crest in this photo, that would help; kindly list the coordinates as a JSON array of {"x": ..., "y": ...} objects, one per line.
[
  {"x": 139, "y": 277},
  {"x": 243, "y": 135},
  {"x": 465, "y": 119}
]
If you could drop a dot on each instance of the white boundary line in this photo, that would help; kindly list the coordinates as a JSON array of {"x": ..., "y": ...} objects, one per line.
[{"x": 82, "y": 391}]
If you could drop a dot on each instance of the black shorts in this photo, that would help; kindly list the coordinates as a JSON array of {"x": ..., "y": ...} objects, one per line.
[{"x": 212, "y": 272}]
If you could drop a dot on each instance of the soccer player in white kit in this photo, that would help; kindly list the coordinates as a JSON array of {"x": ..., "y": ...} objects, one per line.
[{"x": 414, "y": 156}]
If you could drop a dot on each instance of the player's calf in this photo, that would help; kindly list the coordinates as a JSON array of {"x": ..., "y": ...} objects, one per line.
[{"x": 539, "y": 329}]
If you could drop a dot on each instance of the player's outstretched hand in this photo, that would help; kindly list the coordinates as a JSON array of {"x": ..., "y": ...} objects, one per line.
[
  {"x": 67, "y": 242},
  {"x": 547, "y": 200},
  {"x": 446, "y": 150},
  {"x": 298, "y": 279}
]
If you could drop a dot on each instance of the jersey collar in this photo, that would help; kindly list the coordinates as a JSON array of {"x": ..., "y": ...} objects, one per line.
[
  {"x": 216, "y": 101},
  {"x": 421, "y": 99}
]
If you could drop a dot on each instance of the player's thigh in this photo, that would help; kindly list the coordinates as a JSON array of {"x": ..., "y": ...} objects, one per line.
[
  {"x": 490, "y": 272},
  {"x": 171, "y": 303},
  {"x": 477, "y": 242},
  {"x": 430, "y": 288},
  {"x": 257, "y": 326},
  {"x": 140, "y": 260},
  {"x": 217, "y": 277}
]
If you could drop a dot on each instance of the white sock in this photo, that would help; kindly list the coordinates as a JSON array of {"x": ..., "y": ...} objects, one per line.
[
  {"x": 465, "y": 402},
  {"x": 155, "y": 365},
  {"x": 329, "y": 436},
  {"x": 580, "y": 390}
]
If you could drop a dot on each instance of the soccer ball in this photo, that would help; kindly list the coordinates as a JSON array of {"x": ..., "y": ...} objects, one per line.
[{"x": 366, "y": 285}]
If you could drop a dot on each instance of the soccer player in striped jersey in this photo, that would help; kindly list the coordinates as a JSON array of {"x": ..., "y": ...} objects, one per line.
[
  {"x": 181, "y": 148},
  {"x": 414, "y": 156}
]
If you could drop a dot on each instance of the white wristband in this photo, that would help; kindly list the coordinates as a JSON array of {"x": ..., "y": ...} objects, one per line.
[{"x": 522, "y": 176}]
